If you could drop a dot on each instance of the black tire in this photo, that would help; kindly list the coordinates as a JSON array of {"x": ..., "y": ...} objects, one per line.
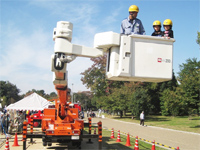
[
  {"x": 44, "y": 143},
  {"x": 49, "y": 144}
]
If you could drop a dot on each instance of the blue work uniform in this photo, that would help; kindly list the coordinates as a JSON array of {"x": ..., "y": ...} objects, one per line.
[{"x": 134, "y": 27}]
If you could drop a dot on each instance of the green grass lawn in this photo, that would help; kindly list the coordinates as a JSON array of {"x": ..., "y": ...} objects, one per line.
[
  {"x": 111, "y": 144},
  {"x": 183, "y": 123}
]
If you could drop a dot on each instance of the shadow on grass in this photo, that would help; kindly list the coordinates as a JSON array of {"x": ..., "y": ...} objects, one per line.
[
  {"x": 194, "y": 119},
  {"x": 198, "y": 126},
  {"x": 111, "y": 144},
  {"x": 147, "y": 119},
  {"x": 124, "y": 117}
]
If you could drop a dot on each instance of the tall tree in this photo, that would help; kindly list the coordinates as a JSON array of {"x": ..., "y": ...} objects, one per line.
[
  {"x": 95, "y": 77},
  {"x": 172, "y": 102},
  {"x": 198, "y": 38},
  {"x": 155, "y": 91},
  {"x": 84, "y": 98},
  {"x": 140, "y": 101},
  {"x": 120, "y": 99},
  {"x": 189, "y": 78},
  {"x": 9, "y": 92},
  {"x": 53, "y": 95}
]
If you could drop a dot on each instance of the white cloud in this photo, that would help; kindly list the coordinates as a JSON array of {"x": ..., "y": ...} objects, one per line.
[
  {"x": 83, "y": 15},
  {"x": 26, "y": 49},
  {"x": 75, "y": 69},
  {"x": 32, "y": 50},
  {"x": 26, "y": 61}
]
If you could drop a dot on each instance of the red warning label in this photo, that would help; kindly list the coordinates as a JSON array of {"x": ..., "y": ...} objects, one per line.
[{"x": 159, "y": 59}]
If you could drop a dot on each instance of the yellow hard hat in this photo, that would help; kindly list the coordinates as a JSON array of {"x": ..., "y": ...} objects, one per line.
[
  {"x": 157, "y": 23},
  {"x": 133, "y": 8},
  {"x": 167, "y": 22}
]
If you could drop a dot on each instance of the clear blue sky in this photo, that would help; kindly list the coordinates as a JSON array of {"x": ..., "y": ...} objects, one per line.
[{"x": 27, "y": 28}]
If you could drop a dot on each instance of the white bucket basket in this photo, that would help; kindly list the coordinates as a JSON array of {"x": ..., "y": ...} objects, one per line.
[{"x": 137, "y": 57}]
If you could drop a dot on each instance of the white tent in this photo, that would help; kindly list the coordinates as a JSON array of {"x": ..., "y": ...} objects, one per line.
[{"x": 32, "y": 102}]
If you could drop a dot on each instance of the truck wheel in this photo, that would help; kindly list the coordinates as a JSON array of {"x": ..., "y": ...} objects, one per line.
[
  {"x": 49, "y": 144},
  {"x": 44, "y": 143}
]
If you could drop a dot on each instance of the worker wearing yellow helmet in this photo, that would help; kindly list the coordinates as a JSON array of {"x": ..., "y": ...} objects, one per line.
[
  {"x": 132, "y": 25},
  {"x": 157, "y": 29},
  {"x": 167, "y": 24}
]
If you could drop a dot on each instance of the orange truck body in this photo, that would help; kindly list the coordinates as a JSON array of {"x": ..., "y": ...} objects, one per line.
[{"x": 62, "y": 124}]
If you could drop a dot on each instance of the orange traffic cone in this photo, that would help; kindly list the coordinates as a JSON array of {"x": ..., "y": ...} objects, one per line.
[
  {"x": 118, "y": 137},
  {"x": 112, "y": 134},
  {"x": 94, "y": 130},
  {"x": 153, "y": 145},
  {"x": 7, "y": 145},
  {"x": 128, "y": 141},
  {"x": 136, "y": 143},
  {"x": 16, "y": 140},
  {"x": 177, "y": 148}
]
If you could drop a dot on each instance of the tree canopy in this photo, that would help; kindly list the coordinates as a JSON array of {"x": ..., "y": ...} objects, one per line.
[
  {"x": 85, "y": 99},
  {"x": 198, "y": 38},
  {"x": 189, "y": 78},
  {"x": 94, "y": 77},
  {"x": 9, "y": 93}
]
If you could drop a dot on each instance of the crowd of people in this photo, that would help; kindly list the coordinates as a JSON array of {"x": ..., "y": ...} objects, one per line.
[{"x": 11, "y": 121}]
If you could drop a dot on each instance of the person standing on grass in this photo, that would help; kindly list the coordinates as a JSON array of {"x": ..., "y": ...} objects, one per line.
[{"x": 142, "y": 118}]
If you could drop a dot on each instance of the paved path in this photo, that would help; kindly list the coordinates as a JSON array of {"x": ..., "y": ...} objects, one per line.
[{"x": 169, "y": 137}]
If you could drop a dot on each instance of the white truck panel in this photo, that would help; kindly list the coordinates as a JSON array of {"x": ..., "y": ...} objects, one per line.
[
  {"x": 113, "y": 62},
  {"x": 125, "y": 57}
]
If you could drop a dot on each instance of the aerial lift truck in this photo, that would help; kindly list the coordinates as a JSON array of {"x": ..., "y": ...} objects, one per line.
[
  {"x": 62, "y": 124},
  {"x": 129, "y": 58}
]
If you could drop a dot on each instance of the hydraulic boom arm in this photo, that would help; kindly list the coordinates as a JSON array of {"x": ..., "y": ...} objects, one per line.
[{"x": 65, "y": 52}]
